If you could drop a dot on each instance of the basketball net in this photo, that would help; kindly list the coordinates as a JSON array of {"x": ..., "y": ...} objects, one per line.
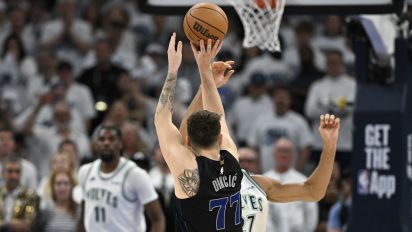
[{"x": 261, "y": 22}]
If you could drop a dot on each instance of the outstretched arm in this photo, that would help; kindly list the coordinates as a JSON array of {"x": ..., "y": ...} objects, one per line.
[
  {"x": 314, "y": 188},
  {"x": 170, "y": 140},
  {"x": 210, "y": 96},
  {"x": 221, "y": 77}
]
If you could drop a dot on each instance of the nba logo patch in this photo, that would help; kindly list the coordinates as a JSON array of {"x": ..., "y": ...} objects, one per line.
[{"x": 363, "y": 182}]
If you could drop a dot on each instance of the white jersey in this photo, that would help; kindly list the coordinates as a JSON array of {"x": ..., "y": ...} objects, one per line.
[
  {"x": 115, "y": 201},
  {"x": 254, "y": 205}
]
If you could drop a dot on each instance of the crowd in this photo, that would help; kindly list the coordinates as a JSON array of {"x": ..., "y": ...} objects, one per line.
[{"x": 67, "y": 67}]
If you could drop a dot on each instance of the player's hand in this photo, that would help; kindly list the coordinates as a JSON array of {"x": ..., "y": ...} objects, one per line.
[
  {"x": 174, "y": 55},
  {"x": 220, "y": 73},
  {"x": 206, "y": 53},
  {"x": 329, "y": 129}
]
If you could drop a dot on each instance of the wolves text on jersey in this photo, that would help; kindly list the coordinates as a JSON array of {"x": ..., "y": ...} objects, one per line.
[{"x": 102, "y": 195}]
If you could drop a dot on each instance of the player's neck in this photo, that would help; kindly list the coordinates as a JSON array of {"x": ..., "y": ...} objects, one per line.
[
  {"x": 213, "y": 153},
  {"x": 108, "y": 167}
]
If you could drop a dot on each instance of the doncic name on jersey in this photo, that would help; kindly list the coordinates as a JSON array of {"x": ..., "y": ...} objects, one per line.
[{"x": 222, "y": 182}]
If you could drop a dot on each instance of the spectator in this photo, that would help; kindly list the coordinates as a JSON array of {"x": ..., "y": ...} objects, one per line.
[
  {"x": 9, "y": 149},
  {"x": 52, "y": 136},
  {"x": 248, "y": 159},
  {"x": 45, "y": 79},
  {"x": 77, "y": 95},
  {"x": 60, "y": 161},
  {"x": 134, "y": 146},
  {"x": 162, "y": 180},
  {"x": 246, "y": 109},
  {"x": 64, "y": 215},
  {"x": 122, "y": 40},
  {"x": 70, "y": 148},
  {"x": 335, "y": 94},
  {"x": 68, "y": 35},
  {"x": 102, "y": 79},
  {"x": 19, "y": 205},
  {"x": 295, "y": 216},
  {"x": 333, "y": 38},
  {"x": 282, "y": 122},
  {"x": 16, "y": 68},
  {"x": 339, "y": 215}
]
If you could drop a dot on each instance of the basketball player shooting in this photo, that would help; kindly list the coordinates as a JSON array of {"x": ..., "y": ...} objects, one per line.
[
  {"x": 267, "y": 189},
  {"x": 204, "y": 164}
]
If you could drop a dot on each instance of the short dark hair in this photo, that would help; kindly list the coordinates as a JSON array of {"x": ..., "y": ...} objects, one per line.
[
  {"x": 334, "y": 52},
  {"x": 64, "y": 66},
  {"x": 111, "y": 128},
  {"x": 203, "y": 128},
  {"x": 14, "y": 158},
  {"x": 69, "y": 142}
]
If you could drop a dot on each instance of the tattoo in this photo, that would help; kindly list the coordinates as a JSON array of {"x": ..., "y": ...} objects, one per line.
[
  {"x": 189, "y": 181},
  {"x": 168, "y": 92}
]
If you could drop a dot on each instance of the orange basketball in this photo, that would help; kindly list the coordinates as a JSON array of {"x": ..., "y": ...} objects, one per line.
[
  {"x": 205, "y": 21},
  {"x": 261, "y": 3}
]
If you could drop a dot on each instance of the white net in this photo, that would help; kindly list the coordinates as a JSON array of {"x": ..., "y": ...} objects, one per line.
[{"x": 261, "y": 22}]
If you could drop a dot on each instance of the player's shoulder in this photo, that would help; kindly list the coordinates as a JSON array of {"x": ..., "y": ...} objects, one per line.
[{"x": 134, "y": 171}]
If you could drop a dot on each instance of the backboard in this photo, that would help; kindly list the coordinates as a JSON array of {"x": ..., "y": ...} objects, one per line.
[{"x": 292, "y": 6}]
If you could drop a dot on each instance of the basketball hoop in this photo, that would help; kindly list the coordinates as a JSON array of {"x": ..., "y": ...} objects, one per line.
[{"x": 261, "y": 21}]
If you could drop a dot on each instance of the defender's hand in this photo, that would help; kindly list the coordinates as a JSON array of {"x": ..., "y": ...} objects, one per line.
[
  {"x": 207, "y": 53},
  {"x": 329, "y": 129},
  {"x": 174, "y": 55},
  {"x": 220, "y": 75}
]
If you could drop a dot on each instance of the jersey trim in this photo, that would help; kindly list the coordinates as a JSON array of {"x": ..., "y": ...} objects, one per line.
[
  {"x": 123, "y": 186},
  {"x": 119, "y": 168},
  {"x": 87, "y": 176},
  {"x": 250, "y": 178}
]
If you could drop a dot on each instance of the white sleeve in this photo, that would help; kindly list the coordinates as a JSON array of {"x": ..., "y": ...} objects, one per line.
[
  {"x": 311, "y": 216},
  {"x": 252, "y": 138},
  {"x": 139, "y": 187},
  {"x": 312, "y": 108},
  {"x": 87, "y": 104},
  {"x": 29, "y": 175},
  {"x": 82, "y": 175},
  {"x": 305, "y": 136}
]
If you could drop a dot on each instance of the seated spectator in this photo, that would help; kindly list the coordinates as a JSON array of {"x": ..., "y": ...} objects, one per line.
[
  {"x": 77, "y": 95},
  {"x": 335, "y": 94},
  {"x": 68, "y": 35},
  {"x": 64, "y": 215},
  {"x": 135, "y": 147},
  {"x": 248, "y": 159},
  {"x": 246, "y": 109},
  {"x": 16, "y": 68},
  {"x": 9, "y": 149},
  {"x": 52, "y": 136},
  {"x": 295, "y": 216},
  {"x": 333, "y": 38},
  {"x": 102, "y": 79},
  {"x": 70, "y": 148},
  {"x": 281, "y": 122},
  {"x": 59, "y": 161},
  {"x": 19, "y": 205}
]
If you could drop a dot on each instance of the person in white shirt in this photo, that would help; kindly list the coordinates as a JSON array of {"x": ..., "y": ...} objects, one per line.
[
  {"x": 77, "y": 95},
  {"x": 294, "y": 216},
  {"x": 69, "y": 35},
  {"x": 246, "y": 109},
  {"x": 8, "y": 147},
  {"x": 334, "y": 93},
  {"x": 116, "y": 192},
  {"x": 282, "y": 122}
]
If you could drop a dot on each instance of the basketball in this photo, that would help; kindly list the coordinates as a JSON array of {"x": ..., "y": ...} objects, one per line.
[{"x": 205, "y": 21}]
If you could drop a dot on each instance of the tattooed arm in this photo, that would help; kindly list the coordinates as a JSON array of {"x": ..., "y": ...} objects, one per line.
[{"x": 179, "y": 159}]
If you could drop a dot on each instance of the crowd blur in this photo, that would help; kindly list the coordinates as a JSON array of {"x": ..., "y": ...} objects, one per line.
[{"x": 68, "y": 66}]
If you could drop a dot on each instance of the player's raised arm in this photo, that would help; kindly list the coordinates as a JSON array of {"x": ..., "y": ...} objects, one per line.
[
  {"x": 210, "y": 96},
  {"x": 169, "y": 137},
  {"x": 314, "y": 188},
  {"x": 221, "y": 76}
]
